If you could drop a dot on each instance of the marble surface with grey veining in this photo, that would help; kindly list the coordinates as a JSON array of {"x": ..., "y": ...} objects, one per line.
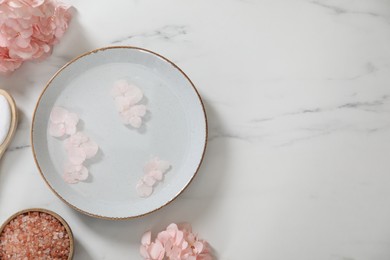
[{"x": 297, "y": 95}]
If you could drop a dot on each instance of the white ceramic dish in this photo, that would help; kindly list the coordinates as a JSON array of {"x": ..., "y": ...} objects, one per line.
[{"x": 176, "y": 130}]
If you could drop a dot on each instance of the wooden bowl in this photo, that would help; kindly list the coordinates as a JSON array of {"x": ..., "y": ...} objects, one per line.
[{"x": 51, "y": 213}]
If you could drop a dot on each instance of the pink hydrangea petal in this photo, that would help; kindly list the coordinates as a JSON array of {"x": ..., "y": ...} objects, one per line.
[
  {"x": 143, "y": 190},
  {"x": 76, "y": 140},
  {"x": 132, "y": 116},
  {"x": 197, "y": 247},
  {"x": 15, "y": 4},
  {"x": 179, "y": 237},
  {"x": 134, "y": 94},
  {"x": 172, "y": 226},
  {"x": 70, "y": 129},
  {"x": 70, "y": 167},
  {"x": 80, "y": 137},
  {"x": 149, "y": 180},
  {"x": 138, "y": 110},
  {"x": 163, "y": 165},
  {"x": 161, "y": 256},
  {"x": 26, "y": 32},
  {"x": 75, "y": 167},
  {"x": 156, "y": 174},
  {"x": 58, "y": 115},
  {"x": 157, "y": 164},
  {"x": 164, "y": 236},
  {"x": 56, "y": 130},
  {"x": 74, "y": 173},
  {"x": 72, "y": 141},
  {"x": 175, "y": 253},
  {"x": 76, "y": 155},
  {"x": 172, "y": 229},
  {"x": 22, "y": 42},
  {"x": 83, "y": 174},
  {"x": 146, "y": 238},
  {"x": 150, "y": 166},
  {"x": 90, "y": 148},
  {"x": 144, "y": 252},
  {"x": 69, "y": 174},
  {"x": 191, "y": 238},
  {"x": 126, "y": 116},
  {"x": 7, "y": 64},
  {"x": 169, "y": 248},
  {"x": 122, "y": 103},
  {"x": 119, "y": 88},
  {"x": 71, "y": 119},
  {"x": 184, "y": 245},
  {"x": 69, "y": 178},
  {"x": 62, "y": 16},
  {"x": 135, "y": 121},
  {"x": 156, "y": 249}
]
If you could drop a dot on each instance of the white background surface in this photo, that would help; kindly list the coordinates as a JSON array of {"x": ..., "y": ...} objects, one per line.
[{"x": 298, "y": 98}]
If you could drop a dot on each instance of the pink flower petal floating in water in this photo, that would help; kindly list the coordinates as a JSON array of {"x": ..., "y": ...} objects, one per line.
[
  {"x": 156, "y": 174},
  {"x": 126, "y": 97},
  {"x": 143, "y": 189},
  {"x": 156, "y": 164},
  {"x": 76, "y": 155},
  {"x": 75, "y": 173},
  {"x": 122, "y": 104},
  {"x": 120, "y": 88},
  {"x": 62, "y": 122},
  {"x": 133, "y": 116},
  {"x": 154, "y": 171},
  {"x": 175, "y": 243},
  {"x": 149, "y": 180},
  {"x": 131, "y": 92},
  {"x": 80, "y": 147}
]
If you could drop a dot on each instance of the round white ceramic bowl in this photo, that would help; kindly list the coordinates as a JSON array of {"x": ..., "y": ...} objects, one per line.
[{"x": 175, "y": 130}]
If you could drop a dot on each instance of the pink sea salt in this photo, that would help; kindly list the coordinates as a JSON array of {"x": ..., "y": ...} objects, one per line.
[{"x": 34, "y": 235}]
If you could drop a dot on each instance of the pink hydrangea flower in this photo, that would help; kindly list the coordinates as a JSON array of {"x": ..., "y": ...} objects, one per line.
[
  {"x": 153, "y": 171},
  {"x": 62, "y": 122},
  {"x": 8, "y": 64},
  {"x": 126, "y": 97},
  {"x": 80, "y": 147},
  {"x": 175, "y": 243},
  {"x": 29, "y": 29},
  {"x": 75, "y": 173}
]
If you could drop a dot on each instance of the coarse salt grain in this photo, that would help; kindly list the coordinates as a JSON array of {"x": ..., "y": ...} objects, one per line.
[{"x": 34, "y": 235}]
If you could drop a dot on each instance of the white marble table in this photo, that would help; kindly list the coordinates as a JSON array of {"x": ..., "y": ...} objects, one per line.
[{"x": 298, "y": 99}]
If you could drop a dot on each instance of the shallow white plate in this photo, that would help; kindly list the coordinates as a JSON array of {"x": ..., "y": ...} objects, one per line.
[{"x": 176, "y": 131}]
